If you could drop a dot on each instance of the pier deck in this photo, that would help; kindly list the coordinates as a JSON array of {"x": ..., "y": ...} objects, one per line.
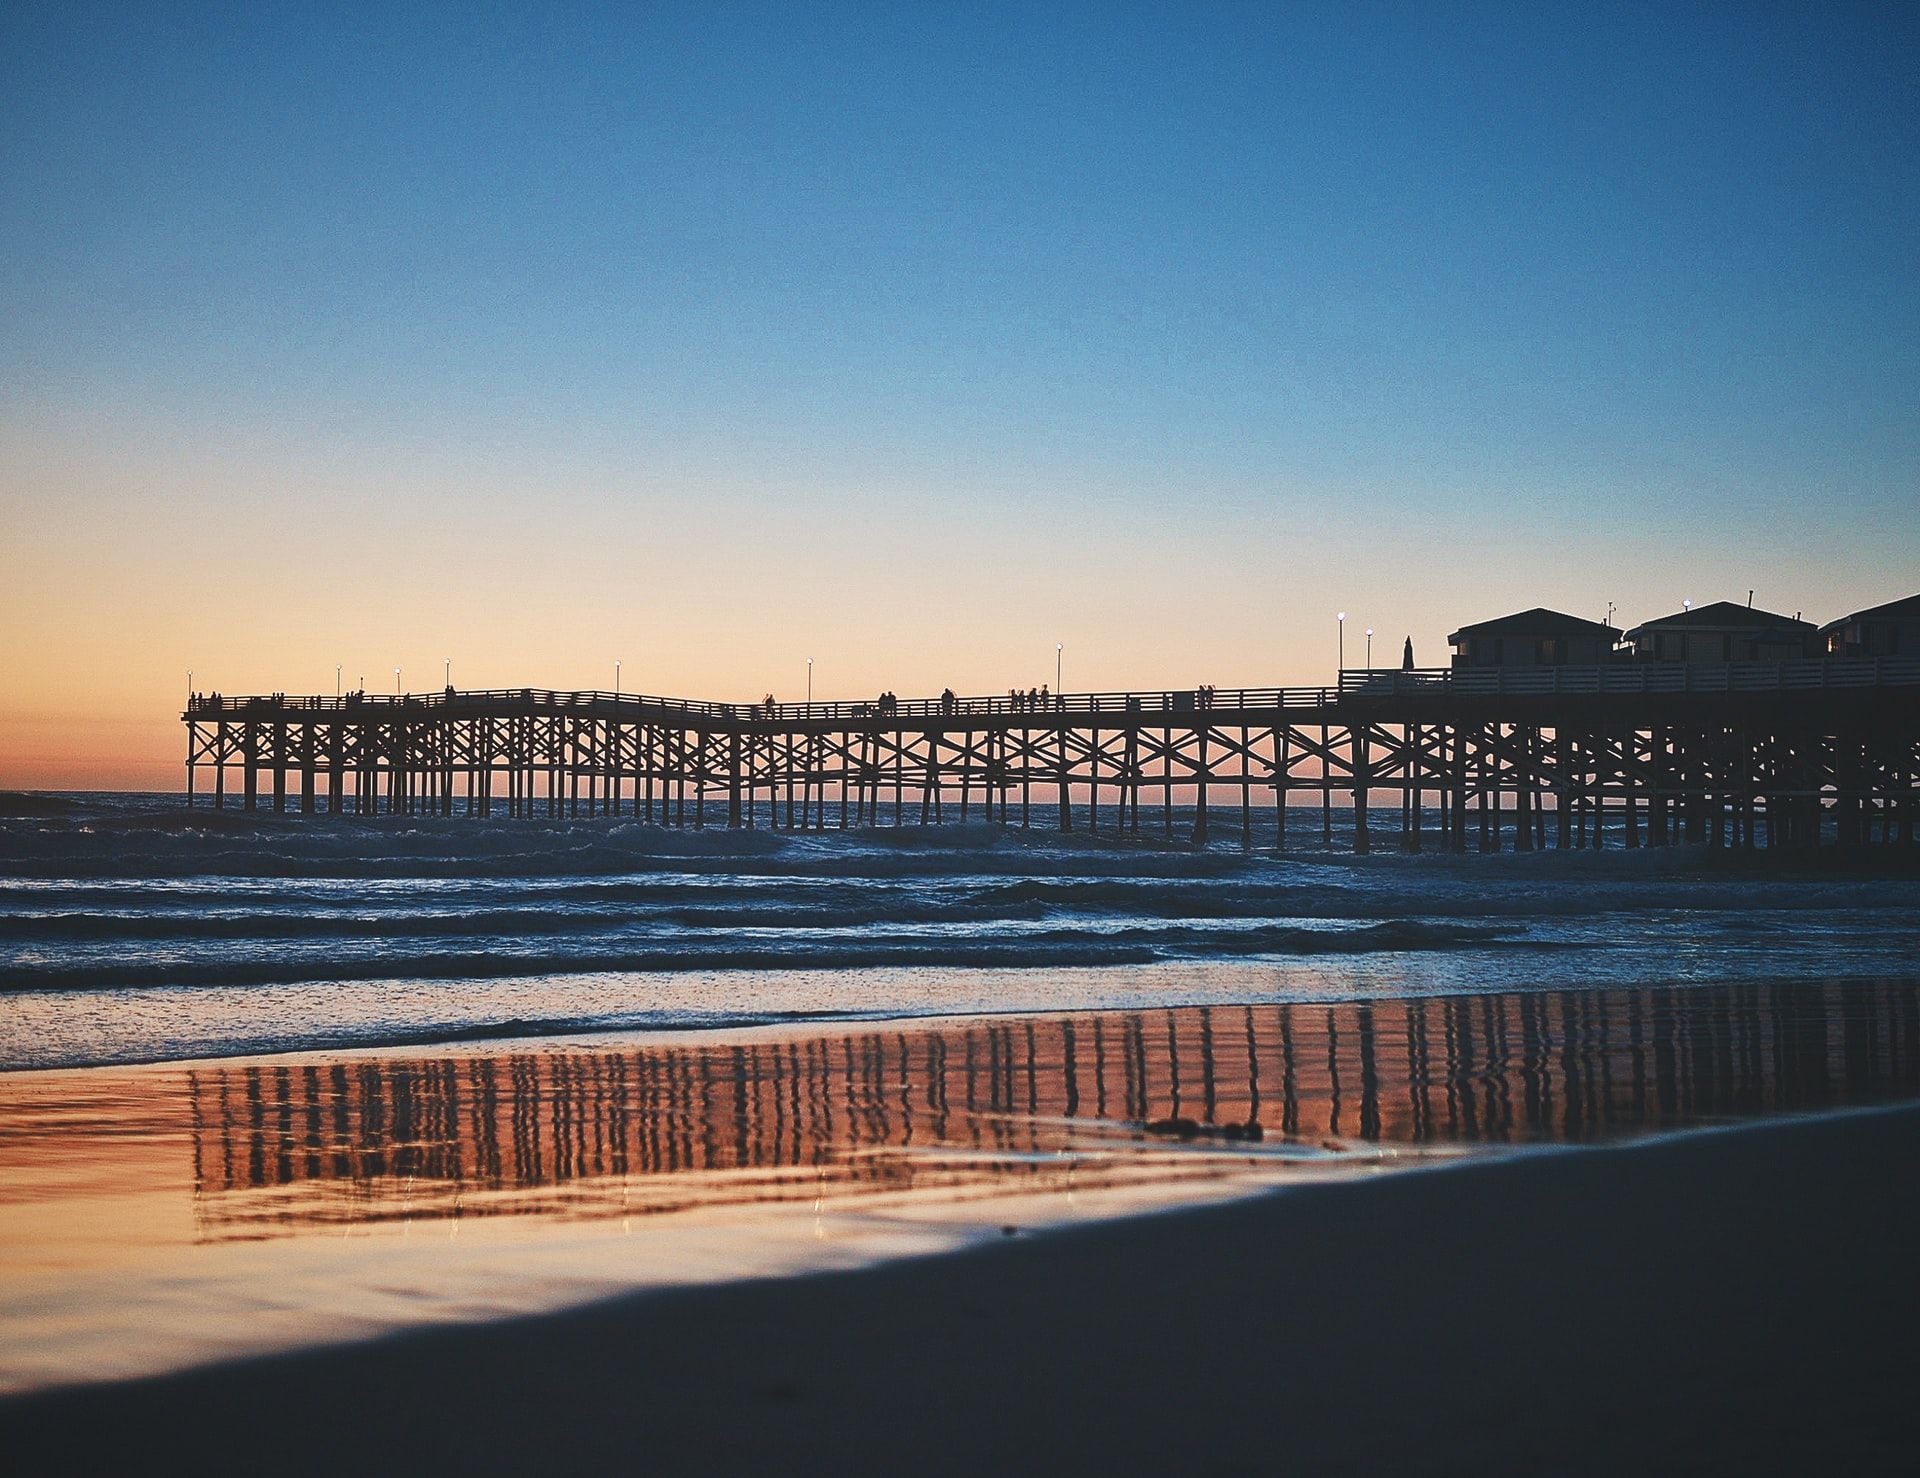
[{"x": 1737, "y": 754}]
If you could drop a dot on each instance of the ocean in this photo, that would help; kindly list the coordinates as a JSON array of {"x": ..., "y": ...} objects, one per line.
[{"x": 133, "y": 930}]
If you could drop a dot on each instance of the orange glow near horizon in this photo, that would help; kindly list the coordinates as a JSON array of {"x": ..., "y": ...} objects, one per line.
[{"x": 128, "y": 559}]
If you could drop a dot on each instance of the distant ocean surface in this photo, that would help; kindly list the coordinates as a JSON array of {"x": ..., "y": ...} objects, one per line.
[{"x": 133, "y": 930}]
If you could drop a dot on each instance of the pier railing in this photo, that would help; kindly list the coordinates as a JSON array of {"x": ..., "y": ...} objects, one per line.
[
  {"x": 1808, "y": 675},
  {"x": 1179, "y": 701}
]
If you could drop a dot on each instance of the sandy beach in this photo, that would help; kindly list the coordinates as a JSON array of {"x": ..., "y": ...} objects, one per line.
[
  {"x": 1586, "y": 1165},
  {"x": 1730, "y": 1301}
]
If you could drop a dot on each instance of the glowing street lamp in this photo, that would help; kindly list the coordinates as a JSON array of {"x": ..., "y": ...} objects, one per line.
[
  {"x": 396, "y": 682},
  {"x": 1369, "y": 649},
  {"x": 1342, "y": 619},
  {"x": 336, "y": 682},
  {"x": 809, "y": 682},
  {"x": 616, "y": 677},
  {"x": 1058, "y": 649},
  {"x": 449, "y": 672}
]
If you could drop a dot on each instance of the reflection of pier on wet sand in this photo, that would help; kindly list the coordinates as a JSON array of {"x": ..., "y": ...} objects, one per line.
[
  {"x": 1737, "y": 1303},
  {"x": 967, "y": 1106}
]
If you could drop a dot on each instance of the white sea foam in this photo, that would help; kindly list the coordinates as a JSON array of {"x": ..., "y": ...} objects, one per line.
[{"x": 112, "y": 908}]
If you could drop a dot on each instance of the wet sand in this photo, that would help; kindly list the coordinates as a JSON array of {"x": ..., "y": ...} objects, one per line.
[
  {"x": 1725, "y": 1301},
  {"x": 158, "y": 1217}
]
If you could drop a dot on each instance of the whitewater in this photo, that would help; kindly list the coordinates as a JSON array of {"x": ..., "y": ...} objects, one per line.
[{"x": 133, "y": 930}]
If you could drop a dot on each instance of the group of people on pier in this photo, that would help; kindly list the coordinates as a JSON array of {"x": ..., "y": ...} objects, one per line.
[
  {"x": 1034, "y": 700},
  {"x": 887, "y": 705}
]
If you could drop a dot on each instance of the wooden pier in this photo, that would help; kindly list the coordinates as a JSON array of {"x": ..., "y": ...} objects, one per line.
[{"x": 1631, "y": 754}]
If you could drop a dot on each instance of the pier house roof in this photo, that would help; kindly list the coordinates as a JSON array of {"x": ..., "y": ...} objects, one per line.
[
  {"x": 1726, "y": 615},
  {"x": 1905, "y": 609},
  {"x": 1539, "y": 621}
]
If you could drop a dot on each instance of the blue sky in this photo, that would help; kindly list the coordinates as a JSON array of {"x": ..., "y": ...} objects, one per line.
[{"x": 1424, "y": 310}]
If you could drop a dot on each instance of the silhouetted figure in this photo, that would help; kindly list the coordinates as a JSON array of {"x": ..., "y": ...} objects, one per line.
[{"x": 1406, "y": 656}]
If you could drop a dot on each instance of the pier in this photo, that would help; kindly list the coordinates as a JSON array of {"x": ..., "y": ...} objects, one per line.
[{"x": 1739, "y": 754}]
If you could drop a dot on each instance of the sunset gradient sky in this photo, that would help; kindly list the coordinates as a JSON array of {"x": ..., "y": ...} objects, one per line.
[{"x": 711, "y": 339}]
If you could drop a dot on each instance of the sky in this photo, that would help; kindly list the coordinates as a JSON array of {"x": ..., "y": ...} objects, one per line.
[{"x": 918, "y": 340}]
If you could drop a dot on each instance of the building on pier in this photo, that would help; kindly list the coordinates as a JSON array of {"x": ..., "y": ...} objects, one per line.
[
  {"x": 1535, "y": 638},
  {"x": 1890, "y": 630},
  {"x": 1723, "y": 632}
]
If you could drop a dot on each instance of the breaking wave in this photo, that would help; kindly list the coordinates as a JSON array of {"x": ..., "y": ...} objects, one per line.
[{"x": 139, "y": 926}]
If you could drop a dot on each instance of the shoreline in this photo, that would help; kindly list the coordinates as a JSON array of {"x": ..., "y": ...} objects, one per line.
[
  {"x": 1192, "y": 985},
  {"x": 1590, "y": 1310}
]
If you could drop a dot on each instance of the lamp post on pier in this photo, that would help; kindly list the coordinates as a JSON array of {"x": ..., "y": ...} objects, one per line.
[
  {"x": 336, "y": 682},
  {"x": 1369, "y": 649},
  {"x": 616, "y": 677},
  {"x": 809, "y": 685},
  {"x": 1342, "y": 664},
  {"x": 449, "y": 672},
  {"x": 1059, "y": 651},
  {"x": 396, "y": 682}
]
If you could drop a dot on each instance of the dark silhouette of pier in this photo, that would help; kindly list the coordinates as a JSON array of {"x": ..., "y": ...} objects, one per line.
[{"x": 1740, "y": 754}]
